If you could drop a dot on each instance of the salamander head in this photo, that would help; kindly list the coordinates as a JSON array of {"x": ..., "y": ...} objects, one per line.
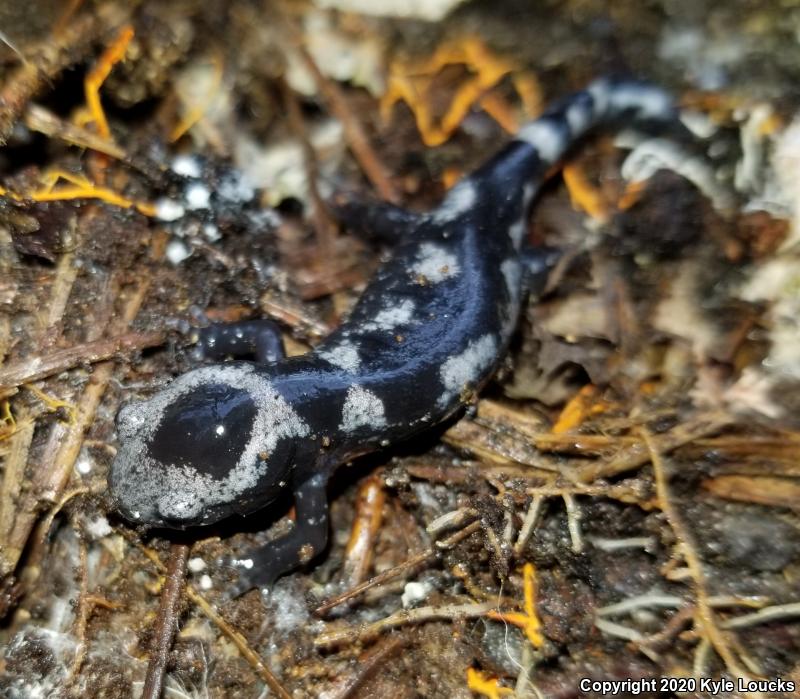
[{"x": 217, "y": 441}]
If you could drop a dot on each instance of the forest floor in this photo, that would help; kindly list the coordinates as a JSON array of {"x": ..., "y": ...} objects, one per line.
[{"x": 620, "y": 502}]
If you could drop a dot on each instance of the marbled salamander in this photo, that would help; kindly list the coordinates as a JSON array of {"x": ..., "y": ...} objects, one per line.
[{"x": 426, "y": 334}]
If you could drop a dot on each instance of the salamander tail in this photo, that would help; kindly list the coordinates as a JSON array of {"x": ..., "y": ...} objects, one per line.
[{"x": 604, "y": 101}]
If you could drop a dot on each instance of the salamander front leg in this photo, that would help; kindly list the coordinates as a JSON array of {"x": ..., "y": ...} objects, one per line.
[
  {"x": 376, "y": 219},
  {"x": 261, "y": 338},
  {"x": 261, "y": 567}
]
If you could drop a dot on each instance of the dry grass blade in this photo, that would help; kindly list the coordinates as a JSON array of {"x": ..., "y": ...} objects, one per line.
[
  {"x": 37, "y": 118},
  {"x": 705, "y": 614},
  {"x": 498, "y": 447},
  {"x": 14, "y": 471},
  {"x": 764, "y": 490},
  {"x": 637, "y": 455}
]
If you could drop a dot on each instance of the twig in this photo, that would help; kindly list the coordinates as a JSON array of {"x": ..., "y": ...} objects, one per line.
[
  {"x": 294, "y": 317},
  {"x": 238, "y": 640},
  {"x": 166, "y": 622},
  {"x": 43, "y": 528},
  {"x": 84, "y": 608},
  {"x": 528, "y": 523},
  {"x": 665, "y": 637},
  {"x": 612, "y": 628},
  {"x": 323, "y": 224},
  {"x": 398, "y": 570},
  {"x": 37, "y": 118},
  {"x": 629, "y": 542},
  {"x": 774, "y": 491},
  {"x": 51, "y": 477},
  {"x": 499, "y": 551},
  {"x": 700, "y": 660},
  {"x": 36, "y": 368},
  {"x": 573, "y": 522},
  {"x": 645, "y": 601},
  {"x": 706, "y": 616},
  {"x": 656, "y": 598},
  {"x": 370, "y": 661},
  {"x": 7, "y": 41},
  {"x": 401, "y": 618},
  {"x": 364, "y": 531},
  {"x": 354, "y": 133},
  {"x": 61, "y": 289},
  {"x": 451, "y": 519},
  {"x": 524, "y": 688},
  {"x": 637, "y": 455}
]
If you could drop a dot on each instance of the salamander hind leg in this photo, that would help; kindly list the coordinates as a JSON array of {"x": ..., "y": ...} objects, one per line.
[
  {"x": 537, "y": 263},
  {"x": 261, "y": 338},
  {"x": 261, "y": 567}
]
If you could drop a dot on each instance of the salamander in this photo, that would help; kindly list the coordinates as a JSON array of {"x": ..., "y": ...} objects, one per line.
[{"x": 426, "y": 334}]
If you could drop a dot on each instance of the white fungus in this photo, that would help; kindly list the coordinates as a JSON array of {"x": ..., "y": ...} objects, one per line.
[
  {"x": 236, "y": 187},
  {"x": 98, "y": 527},
  {"x": 211, "y": 232},
  {"x": 290, "y": 607},
  {"x": 177, "y": 251},
  {"x": 197, "y": 196},
  {"x": 415, "y": 592},
  {"x": 186, "y": 166},
  {"x": 196, "y": 564},
  {"x": 168, "y": 210}
]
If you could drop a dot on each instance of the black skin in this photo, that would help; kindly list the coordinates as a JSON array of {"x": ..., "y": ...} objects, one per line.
[{"x": 258, "y": 338}]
